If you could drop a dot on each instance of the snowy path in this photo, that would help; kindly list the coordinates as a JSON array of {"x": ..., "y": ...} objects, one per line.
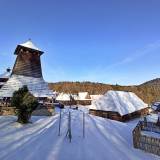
[{"x": 104, "y": 139}]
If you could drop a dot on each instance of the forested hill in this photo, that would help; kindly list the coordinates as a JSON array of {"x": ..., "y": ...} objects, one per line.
[
  {"x": 154, "y": 82},
  {"x": 148, "y": 91}
]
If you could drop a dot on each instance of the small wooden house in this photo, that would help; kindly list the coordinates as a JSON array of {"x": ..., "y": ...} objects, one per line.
[
  {"x": 84, "y": 98},
  {"x": 66, "y": 99},
  {"x": 156, "y": 106},
  {"x": 119, "y": 105},
  {"x": 4, "y": 77}
]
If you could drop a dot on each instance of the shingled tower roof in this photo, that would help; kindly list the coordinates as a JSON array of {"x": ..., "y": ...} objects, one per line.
[{"x": 28, "y": 45}]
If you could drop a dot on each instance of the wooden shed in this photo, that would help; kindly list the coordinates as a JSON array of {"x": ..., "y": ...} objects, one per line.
[
  {"x": 82, "y": 98},
  {"x": 119, "y": 105}
]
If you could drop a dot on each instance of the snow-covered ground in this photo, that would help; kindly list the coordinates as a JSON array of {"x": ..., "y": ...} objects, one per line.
[
  {"x": 104, "y": 139},
  {"x": 150, "y": 134}
]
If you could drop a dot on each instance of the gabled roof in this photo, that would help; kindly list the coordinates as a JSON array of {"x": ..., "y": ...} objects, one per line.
[
  {"x": 6, "y": 74},
  {"x": 95, "y": 97},
  {"x": 156, "y": 106},
  {"x": 63, "y": 97},
  {"x": 83, "y": 96},
  {"x": 119, "y": 101}
]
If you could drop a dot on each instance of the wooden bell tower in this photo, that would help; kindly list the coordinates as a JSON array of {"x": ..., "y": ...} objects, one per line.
[{"x": 28, "y": 62}]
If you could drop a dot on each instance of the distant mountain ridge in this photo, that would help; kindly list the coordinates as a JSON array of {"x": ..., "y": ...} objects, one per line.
[
  {"x": 155, "y": 81},
  {"x": 149, "y": 91}
]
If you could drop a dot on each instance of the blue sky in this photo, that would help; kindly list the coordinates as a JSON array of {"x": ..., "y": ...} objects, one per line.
[{"x": 106, "y": 41}]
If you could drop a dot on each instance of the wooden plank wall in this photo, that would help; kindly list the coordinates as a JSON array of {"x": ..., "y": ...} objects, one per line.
[{"x": 28, "y": 64}]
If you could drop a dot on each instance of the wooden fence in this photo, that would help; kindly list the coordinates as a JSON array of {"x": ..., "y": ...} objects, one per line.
[{"x": 145, "y": 142}]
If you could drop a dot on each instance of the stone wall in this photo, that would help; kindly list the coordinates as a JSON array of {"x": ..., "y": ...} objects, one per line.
[
  {"x": 7, "y": 111},
  {"x": 146, "y": 143},
  {"x": 40, "y": 111}
]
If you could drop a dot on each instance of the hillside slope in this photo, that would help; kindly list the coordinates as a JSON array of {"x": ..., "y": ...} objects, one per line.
[
  {"x": 154, "y": 82},
  {"x": 148, "y": 92}
]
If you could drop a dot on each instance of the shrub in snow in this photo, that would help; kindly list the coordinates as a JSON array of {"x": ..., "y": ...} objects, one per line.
[{"x": 25, "y": 104}]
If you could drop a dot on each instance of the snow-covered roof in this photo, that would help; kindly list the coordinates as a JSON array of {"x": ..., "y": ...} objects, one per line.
[
  {"x": 94, "y": 97},
  {"x": 37, "y": 86},
  {"x": 5, "y": 74},
  {"x": 156, "y": 105},
  {"x": 119, "y": 101},
  {"x": 65, "y": 97},
  {"x": 2, "y": 83},
  {"x": 83, "y": 96},
  {"x": 29, "y": 44}
]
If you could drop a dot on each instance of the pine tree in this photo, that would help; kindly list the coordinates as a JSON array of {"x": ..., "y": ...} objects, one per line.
[{"x": 25, "y": 104}]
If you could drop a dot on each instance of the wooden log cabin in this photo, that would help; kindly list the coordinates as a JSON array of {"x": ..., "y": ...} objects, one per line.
[
  {"x": 82, "y": 98},
  {"x": 119, "y": 105}
]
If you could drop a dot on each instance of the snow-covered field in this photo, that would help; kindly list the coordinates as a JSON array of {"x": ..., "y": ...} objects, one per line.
[{"x": 104, "y": 139}]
